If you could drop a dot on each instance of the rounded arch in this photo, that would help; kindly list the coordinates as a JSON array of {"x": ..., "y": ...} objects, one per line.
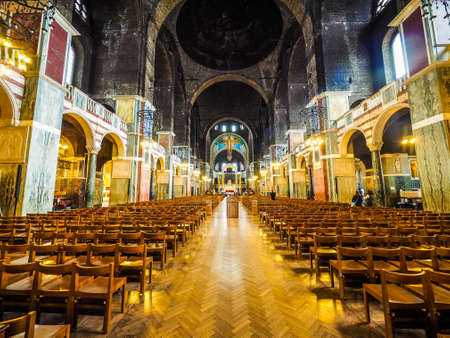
[
  {"x": 159, "y": 163},
  {"x": 246, "y": 157},
  {"x": 223, "y": 119},
  {"x": 229, "y": 77},
  {"x": 87, "y": 128},
  {"x": 378, "y": 129},
  {"x": 346, "y": 139},
  {"x": 300, "y": 162},
  {"x": 118, "y": 142},
  {"x": 9, "y": 106},
  {"x": 221, "y": 151}
]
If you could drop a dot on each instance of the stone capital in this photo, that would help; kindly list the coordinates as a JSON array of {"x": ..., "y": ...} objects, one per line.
[
  {"x": 375, "y": 146},
  {"x": 92, "y": 150}
]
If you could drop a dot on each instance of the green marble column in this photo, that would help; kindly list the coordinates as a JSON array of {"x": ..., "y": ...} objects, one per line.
[
  {"x": 92, "y": 172},
  {"x": 378, "y": 180},
  {"x": 429, "y": 97}
]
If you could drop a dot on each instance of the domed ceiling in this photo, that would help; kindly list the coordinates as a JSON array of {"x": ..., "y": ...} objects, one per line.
[{"x": 229, "y": 34}]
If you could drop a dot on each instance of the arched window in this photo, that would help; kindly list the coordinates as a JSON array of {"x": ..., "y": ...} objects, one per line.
[
  {"x": 398, "y": 56},
  {"x": 71, "y": 66},
  {"x": 81, "y": 9}
]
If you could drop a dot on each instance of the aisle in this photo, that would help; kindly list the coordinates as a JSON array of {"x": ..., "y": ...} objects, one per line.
[{"x": 232, "y": 279}]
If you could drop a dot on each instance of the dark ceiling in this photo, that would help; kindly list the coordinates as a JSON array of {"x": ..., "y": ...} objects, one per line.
[{"x": 229, "y": 34}]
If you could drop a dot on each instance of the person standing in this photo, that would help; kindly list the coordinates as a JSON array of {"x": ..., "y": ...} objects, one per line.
[{"x": 357, "y": 199}]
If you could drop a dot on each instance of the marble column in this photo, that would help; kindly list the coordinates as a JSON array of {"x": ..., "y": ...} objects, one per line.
[
  {"x": 152, "y": 183},
  {"x": 429, "y": 95},
  {"x": 378, "y": 180},
  {"x": 92, "y": 173}
]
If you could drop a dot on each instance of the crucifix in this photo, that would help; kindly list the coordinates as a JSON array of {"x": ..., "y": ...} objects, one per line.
[{"x": 229, "y": 143}]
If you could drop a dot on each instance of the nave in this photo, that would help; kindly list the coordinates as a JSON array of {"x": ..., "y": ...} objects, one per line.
[{"x": 235, "y": 278}]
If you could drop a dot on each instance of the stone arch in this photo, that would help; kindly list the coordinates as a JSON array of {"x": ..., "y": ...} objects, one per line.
[
  {"x": 246, "y": 157},
  {"x": 117, "y": 141},
  {"x": 222, "y": 119},
  {"x": 347, "y": 137},
  {"x": 228, "y": 77},
  {"x": 9, "y": 111},
  {"x": 234, "y": 149},
  {"x": 159, "y": 164},
  {"x": 87, "y": 129},
  {"x": 385, "y": 115}
]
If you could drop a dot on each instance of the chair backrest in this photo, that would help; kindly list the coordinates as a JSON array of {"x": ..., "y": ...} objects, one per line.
[
  {"x": 381, "y": 241},
  {"x": 110, "y": 237},
  {"x": 351, "y": 253},
  {"x": 132, "y": 250},
  {"x": 14, "y": 248},
  {"x": 131, "y": 237},
  {"x": 400, "y": 279},
  {"x": 24, "y": 324},
  {"x": 52, "y": 270},
  {"x": 325, "y": 241},
  {"x": 36, "y": 250},
  {"x": 106, "y": 270},
  {"x": 352, "y": 241},
  {"x": 384, "y": 253}
]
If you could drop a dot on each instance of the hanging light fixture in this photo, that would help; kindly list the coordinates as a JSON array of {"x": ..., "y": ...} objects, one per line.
[
  {"x": 20, "y": 19},
  {"x": 427, "y": 8}
]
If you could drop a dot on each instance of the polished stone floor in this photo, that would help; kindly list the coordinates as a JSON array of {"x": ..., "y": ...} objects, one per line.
[{"x": 234, "y": 278}]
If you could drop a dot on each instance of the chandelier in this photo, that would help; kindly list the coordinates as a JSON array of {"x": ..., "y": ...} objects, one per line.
[
  {"x": 440, "y": 6},
  {"x": 20, "y": 19}
]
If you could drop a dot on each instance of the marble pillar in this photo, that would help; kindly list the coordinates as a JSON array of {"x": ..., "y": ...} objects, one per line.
[
  {"x": 92, "y": 172},
  {"x": 429, "y": 94},
  {"x": 378, "y": 180}
]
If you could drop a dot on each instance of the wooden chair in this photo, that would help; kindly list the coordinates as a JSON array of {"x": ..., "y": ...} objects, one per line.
[
  {"x": 101, "y": 254},
  {"x": 322, "y": 251},
  {"x": 26, "y": 326},
  {"x": 16, "y": 287},
  {"x": 348, "y": 264},
  {"x": 131, "y": 238},
  {"x": 401, "y": 307},
  {"x": 74, "y": 253},
  {"x": 107, "y": 238},
  {"x": 439, "y": 293},
  {"x": 377, "y": 241},
  {"x": 380, "y": 259},
  {"x": 95, "y": 298},
  {"x": 156, "y": 244},
  {"x": 415, "y": 260},
  {"x": 55, "y": 296},
  {"x": 15, "y": 253},
  {"x": 46, "y": 254},
  {"x": 441, "y": 260},
  {"x": 133, "y": 259}
]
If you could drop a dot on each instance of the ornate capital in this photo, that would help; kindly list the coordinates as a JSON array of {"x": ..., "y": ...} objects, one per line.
[{"x": 375, "y": 146}]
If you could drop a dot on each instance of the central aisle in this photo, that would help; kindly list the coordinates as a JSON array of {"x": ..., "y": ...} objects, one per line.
[{"x": 232, "y": 280}]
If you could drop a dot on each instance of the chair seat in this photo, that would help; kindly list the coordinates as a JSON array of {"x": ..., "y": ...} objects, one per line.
[
  {"x": 47, "y": 331},
  {"x": 99, "y": 286},
  {"x": 62, "y": 284},
  {"x": 325, "y": 251},
  {"x": 444, "y": 265},
  {"x": 397, "y": 295},
  {"x": 155, "y": 245},
  {"x": 381, "y": 265},
  {"x": 441, "y": 295},
  {"x": 350, "y": 266},
  {"x": 132, "y": 263}
]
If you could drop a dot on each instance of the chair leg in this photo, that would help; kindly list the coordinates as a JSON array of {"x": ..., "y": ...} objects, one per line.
[
  {"x": 366, "y": 305},
  {"x": 142, "y": 280},
  {"x": 388, "y": 323},
  {"x": 107, "y": 317},
  {"x": 124, "y": 297},
  {"x": 341, "y": 287},
  {"x": 332, "y": 276},
  {"x": 69, "y": 311}
]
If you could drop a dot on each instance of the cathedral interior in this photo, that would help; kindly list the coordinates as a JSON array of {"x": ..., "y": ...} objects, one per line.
[{"x": 158, "y": 117}]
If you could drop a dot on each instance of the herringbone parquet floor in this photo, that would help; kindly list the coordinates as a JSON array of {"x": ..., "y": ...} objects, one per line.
[{"x": 234, "y": 279}]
